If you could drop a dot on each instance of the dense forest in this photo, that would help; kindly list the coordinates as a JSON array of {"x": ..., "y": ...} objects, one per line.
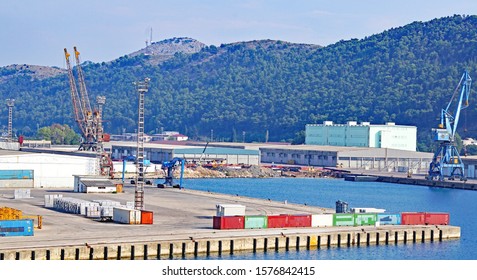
[{"x": 268, "y": 90}]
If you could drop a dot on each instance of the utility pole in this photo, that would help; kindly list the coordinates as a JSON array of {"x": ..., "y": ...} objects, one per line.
[
  {"x": 142, "y": 88},
  {"x": 10, "y": 104}
]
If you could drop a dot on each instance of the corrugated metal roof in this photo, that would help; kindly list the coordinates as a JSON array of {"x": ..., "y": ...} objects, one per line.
[
  {"x": 215, "y": 151},
  {"x": 97, "y": 183}
]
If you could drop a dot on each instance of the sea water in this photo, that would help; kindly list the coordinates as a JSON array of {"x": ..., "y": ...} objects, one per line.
[{"x": 395, "y": 198}]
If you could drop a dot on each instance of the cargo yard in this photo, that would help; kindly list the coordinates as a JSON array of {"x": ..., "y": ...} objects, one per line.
[{"x": 178, "y": 232}]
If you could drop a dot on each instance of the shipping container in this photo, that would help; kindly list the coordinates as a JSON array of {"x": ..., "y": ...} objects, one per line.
[
  {"x": 126, "y": 216},
  {"x": 342, "y": 219},
  {"x": 147, "y": 217},
  {"x": 436, "y": 218},
  {"x": 413, "y": 218},
  {"x": 388, "y": 219},
  {"x": 279, "y": 221},
  {"x": 322, "y": 220},
  {"x": 16, "y": 174},
  {"x": 365, "y": 219},
  {"x": 23, "y": 227},
  {"x": 230, "y": 210},
  {"x": 299, "y": 221},
  {"x": 256, "y": 221},
  {"x": 229, "y": 222}
]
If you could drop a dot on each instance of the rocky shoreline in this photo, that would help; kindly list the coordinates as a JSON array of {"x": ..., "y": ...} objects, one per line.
[{"x": 239, "y": 172}]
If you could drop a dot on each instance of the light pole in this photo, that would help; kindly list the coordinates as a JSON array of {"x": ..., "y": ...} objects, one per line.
[
  {"x": 142, "y": 88},
  {"x": 10, "y": 104}
]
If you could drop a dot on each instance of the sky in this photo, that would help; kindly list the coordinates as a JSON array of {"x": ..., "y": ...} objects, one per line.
[{"x": 36, "y": 32}]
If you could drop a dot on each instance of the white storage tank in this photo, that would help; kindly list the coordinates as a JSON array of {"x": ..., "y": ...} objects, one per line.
[
  {"x": 126, "y": 216},
  {"x": 230, "y": 210}
]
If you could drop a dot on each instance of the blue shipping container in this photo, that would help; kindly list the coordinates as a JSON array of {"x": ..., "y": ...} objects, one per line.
[
  {"x": 16, "y": 227},
  {"x": 389, "y": 219},
  {"x": 16, "y": 174}
]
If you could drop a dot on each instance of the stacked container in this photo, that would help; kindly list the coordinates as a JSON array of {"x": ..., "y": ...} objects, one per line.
[
  {"x": 299, "y": 221},
  {"x": 388, "y": 219},
  {"x": 343, "y": 219},
  {"x": 16, "y": 227},
  {"x": 322, "y": 220},
  {"x": 229, "y": 222},
  {"x": 280, "y": 221},
  {"x": 126, "y": 215},
  {"x": 230, "y": 210},
  {"x": 147, "y": 217},
  {"x": 256, "y": 222},
  {"x": 365, "y": 219},
  {"x": 436, "y": 218},
  {"x": 413, "y": 218}
]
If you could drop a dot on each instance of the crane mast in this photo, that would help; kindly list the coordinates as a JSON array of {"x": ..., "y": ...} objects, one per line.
[{"x": 447, "y": 162}]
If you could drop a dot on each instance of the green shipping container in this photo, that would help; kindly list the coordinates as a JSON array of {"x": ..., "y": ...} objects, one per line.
[
  {"x": 343, "y": 219},
  {"x": 365, "y": 219},
  {"x": 256, "y": 221}
]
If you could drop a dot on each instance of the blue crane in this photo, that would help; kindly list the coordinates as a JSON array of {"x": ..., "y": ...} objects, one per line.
[
  {"x": 168, "y": 167},
  {"x": 446, "y": 161}
]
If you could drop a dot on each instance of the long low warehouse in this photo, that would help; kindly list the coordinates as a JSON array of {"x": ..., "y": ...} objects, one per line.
[
  {"x": 348, "y": 157},
  {"x": 159, "y": 153}
]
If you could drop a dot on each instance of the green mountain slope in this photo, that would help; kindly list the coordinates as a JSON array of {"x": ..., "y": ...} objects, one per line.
[{"x": 406, "y": 75}]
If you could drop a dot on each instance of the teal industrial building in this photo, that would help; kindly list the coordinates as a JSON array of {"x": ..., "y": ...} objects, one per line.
[{"x": 352, "y": 134}]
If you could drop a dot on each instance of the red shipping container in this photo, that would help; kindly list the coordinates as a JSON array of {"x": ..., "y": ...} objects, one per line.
[
  {"x": 280, "y": 221},
  {"x": 299, "y": 221},
  {"x": 106, "y": 137},
  {"x": 147, "y": 217},
  {"x": 437, "y": 218},
  {"x": 229, "y": 222},
  {"x": 413, "y": 218}
]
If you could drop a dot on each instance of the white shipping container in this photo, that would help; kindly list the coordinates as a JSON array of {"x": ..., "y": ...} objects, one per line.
[
  {"x": 126, "y": 216},
  {"x": 230, "y": 210},
  {"x": 367, "y": 210},
  {"x": 322, "y": 220}
]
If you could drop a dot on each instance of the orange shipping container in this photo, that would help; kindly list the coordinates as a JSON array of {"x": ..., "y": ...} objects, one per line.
[{"x": 147, "y": 217}]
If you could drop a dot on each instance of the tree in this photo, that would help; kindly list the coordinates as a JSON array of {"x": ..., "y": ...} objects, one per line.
[{"x": 59, "y": 134}]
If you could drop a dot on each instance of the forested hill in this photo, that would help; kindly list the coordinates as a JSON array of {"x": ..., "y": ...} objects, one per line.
[{"x": 406, "y": 75}]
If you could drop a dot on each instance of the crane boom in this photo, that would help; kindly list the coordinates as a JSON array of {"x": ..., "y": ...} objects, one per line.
[
  {"x": 83, "y": 91},
  {"x": 77, "y": 108}
]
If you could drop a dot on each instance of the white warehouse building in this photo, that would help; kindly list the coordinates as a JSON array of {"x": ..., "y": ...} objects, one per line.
[
  {"x": 42, "y": 170},
  {"x": 352, "y": 134}
]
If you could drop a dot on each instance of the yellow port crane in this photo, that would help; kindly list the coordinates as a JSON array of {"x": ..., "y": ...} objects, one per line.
[{"x": 89, "y": 121}]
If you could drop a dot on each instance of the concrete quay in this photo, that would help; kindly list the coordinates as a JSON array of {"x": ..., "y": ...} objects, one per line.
[
  {"x": 416, "y": 179},
  {"x": 183, "y": 229}
]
